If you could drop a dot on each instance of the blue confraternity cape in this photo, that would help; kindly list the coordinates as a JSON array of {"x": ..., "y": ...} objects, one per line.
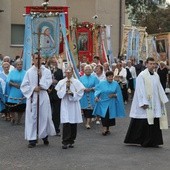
[{"x": 115, "y": 105}]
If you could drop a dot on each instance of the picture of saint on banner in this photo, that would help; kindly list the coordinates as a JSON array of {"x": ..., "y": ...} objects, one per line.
[
  {"x": 83, "y": 42},
  {"x": 45, "y": 32},
  {"x": 160, "y": 45},
  {"x": 46, "y": 41}
]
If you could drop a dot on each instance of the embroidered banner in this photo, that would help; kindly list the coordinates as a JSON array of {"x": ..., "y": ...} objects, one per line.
[
  {"x": 149, "y": 49},
  {"x": 109, "y": 45},
  {"x": 103, "y": 49},
  {"x": 132, "y": 41},
  {"x": 133, "y": 44},
  {"x": 69, "y": 56},
  {"x": 45, "y": 34},
  {"x": 27, "y": 44},
  {"x": 40, "y": 33}
]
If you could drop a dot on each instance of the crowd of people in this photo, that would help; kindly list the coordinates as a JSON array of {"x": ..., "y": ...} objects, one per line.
[{"x": 50, "y": 96}]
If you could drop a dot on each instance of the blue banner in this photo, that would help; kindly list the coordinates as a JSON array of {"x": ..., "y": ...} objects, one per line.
[
  {"x": 69, "y": 55},
  {"x": 43, "y": 34},
  {"x": 133, "y": 45},
  {"x": 46, "y": 30},
  {"x": 27, "y": 58}
]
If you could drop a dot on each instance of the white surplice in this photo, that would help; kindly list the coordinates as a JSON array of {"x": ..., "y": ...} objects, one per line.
[
  {"x": 46, "y": 126},
  {"x": 70, "y": 106},
  {"x": 140, "y": 97}
]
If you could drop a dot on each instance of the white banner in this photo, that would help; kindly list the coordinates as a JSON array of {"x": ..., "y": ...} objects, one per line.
[{"x": 109, "y": 44}]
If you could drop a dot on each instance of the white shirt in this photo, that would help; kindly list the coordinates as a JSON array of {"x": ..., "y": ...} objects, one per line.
[
  {"x": 133, "y": 71},
  {"x": 123, "y": 73}
]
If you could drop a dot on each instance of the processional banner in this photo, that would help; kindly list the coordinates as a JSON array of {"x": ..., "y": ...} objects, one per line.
[
  {"x": 132, "y": 41},
  {"x": 69, "y": 55},
  {"x": 109, "y": 44},
  {"x": 149, "y": 48},
  {"x": 41, "y": 33}
]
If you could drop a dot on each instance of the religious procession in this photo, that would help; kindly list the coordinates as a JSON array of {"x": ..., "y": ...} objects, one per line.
[{"x": 68, "y": 74}]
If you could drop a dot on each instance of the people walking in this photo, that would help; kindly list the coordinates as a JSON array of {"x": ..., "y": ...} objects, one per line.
[
  {"x": 70, "y": 91},
  {"x": 87, "y": 102},
  {"x": 31, "y": 89},
  {"x": 148, "y": 113},
  {"x": 109, "y": 102}
]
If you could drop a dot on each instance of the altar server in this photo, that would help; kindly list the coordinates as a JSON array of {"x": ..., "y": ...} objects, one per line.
[
  {"x": 30, "y": 90},
  {"x": 70, "y": 91}
]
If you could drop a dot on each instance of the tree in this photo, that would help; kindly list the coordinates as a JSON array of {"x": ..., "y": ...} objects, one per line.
[
  {"x": 157, "y": 21},
  {"x": 138, "y": 9},
  {"x": 147, "y": 14}
]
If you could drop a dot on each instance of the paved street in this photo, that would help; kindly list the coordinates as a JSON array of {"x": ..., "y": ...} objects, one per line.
[{"x": 92, "y": 151}]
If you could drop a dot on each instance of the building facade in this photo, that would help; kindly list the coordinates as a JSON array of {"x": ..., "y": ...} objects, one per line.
[{"x": 12, "y": 21}]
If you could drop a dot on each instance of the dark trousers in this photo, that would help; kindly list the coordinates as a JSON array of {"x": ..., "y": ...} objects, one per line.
[
  {"x": 69, "y": 133},
  {"x": 124, "y": 92},
  {"x": 56, "y": 115},
  {"x": 106, "y": 122}
]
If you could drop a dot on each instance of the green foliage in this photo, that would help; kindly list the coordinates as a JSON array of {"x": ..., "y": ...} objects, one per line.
[
  {"x": 157, "y": 21},
  {"x": 146, "y": 13}
]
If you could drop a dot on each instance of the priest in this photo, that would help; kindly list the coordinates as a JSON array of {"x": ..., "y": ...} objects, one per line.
[{"x": 148, "y": 112}]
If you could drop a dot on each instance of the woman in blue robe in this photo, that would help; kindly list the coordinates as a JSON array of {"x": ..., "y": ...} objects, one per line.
[
  {"x": 87, "y": 101},
  {"x": 2, "y": 106},
  {"x": 3, "y": 77},
  {"x": 109, "y": 102},
  {"x": 16, "y": 99}
]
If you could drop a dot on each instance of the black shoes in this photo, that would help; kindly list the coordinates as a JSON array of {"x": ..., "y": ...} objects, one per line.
[
  {"x": 46, "y": 142},
  {"x": 106, "y": 133},
  {"x": 58, "y": 134},
  {"x": 31, "y": 145},
  {"x": 71, "y": 146},
  {"x": 66, "y": 146}
]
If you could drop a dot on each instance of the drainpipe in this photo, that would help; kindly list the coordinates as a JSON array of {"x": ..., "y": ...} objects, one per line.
[{"x": 120, "y": 25}]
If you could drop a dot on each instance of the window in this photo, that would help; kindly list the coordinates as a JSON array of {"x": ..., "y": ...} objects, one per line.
[{"x": 17, "y": 34}]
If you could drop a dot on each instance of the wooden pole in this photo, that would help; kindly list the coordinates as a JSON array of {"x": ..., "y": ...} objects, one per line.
[{"x": 38, "y": 83}]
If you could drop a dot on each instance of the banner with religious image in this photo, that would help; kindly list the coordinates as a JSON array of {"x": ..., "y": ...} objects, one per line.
[
  {"x": 132, "y": 41},
  {"x": 45, "y": 34},
  {"x": 163, "y": 45},
  {"x": 149, "y": 48},
  {"x": 40, "y": 34}
]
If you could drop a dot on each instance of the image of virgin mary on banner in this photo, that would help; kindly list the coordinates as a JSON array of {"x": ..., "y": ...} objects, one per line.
[{"x": 45, "y": 35}]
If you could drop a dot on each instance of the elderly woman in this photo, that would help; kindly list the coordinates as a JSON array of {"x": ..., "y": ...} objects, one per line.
[
  {"x": 15, "y": 97},
  {"x": 87, "y": 101},
  {"x": 3, "y": 77},
  {"x": 109, "y": 102}
]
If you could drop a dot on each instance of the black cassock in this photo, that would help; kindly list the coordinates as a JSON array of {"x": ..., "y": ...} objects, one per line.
[{"x": 55, "y": 101}]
